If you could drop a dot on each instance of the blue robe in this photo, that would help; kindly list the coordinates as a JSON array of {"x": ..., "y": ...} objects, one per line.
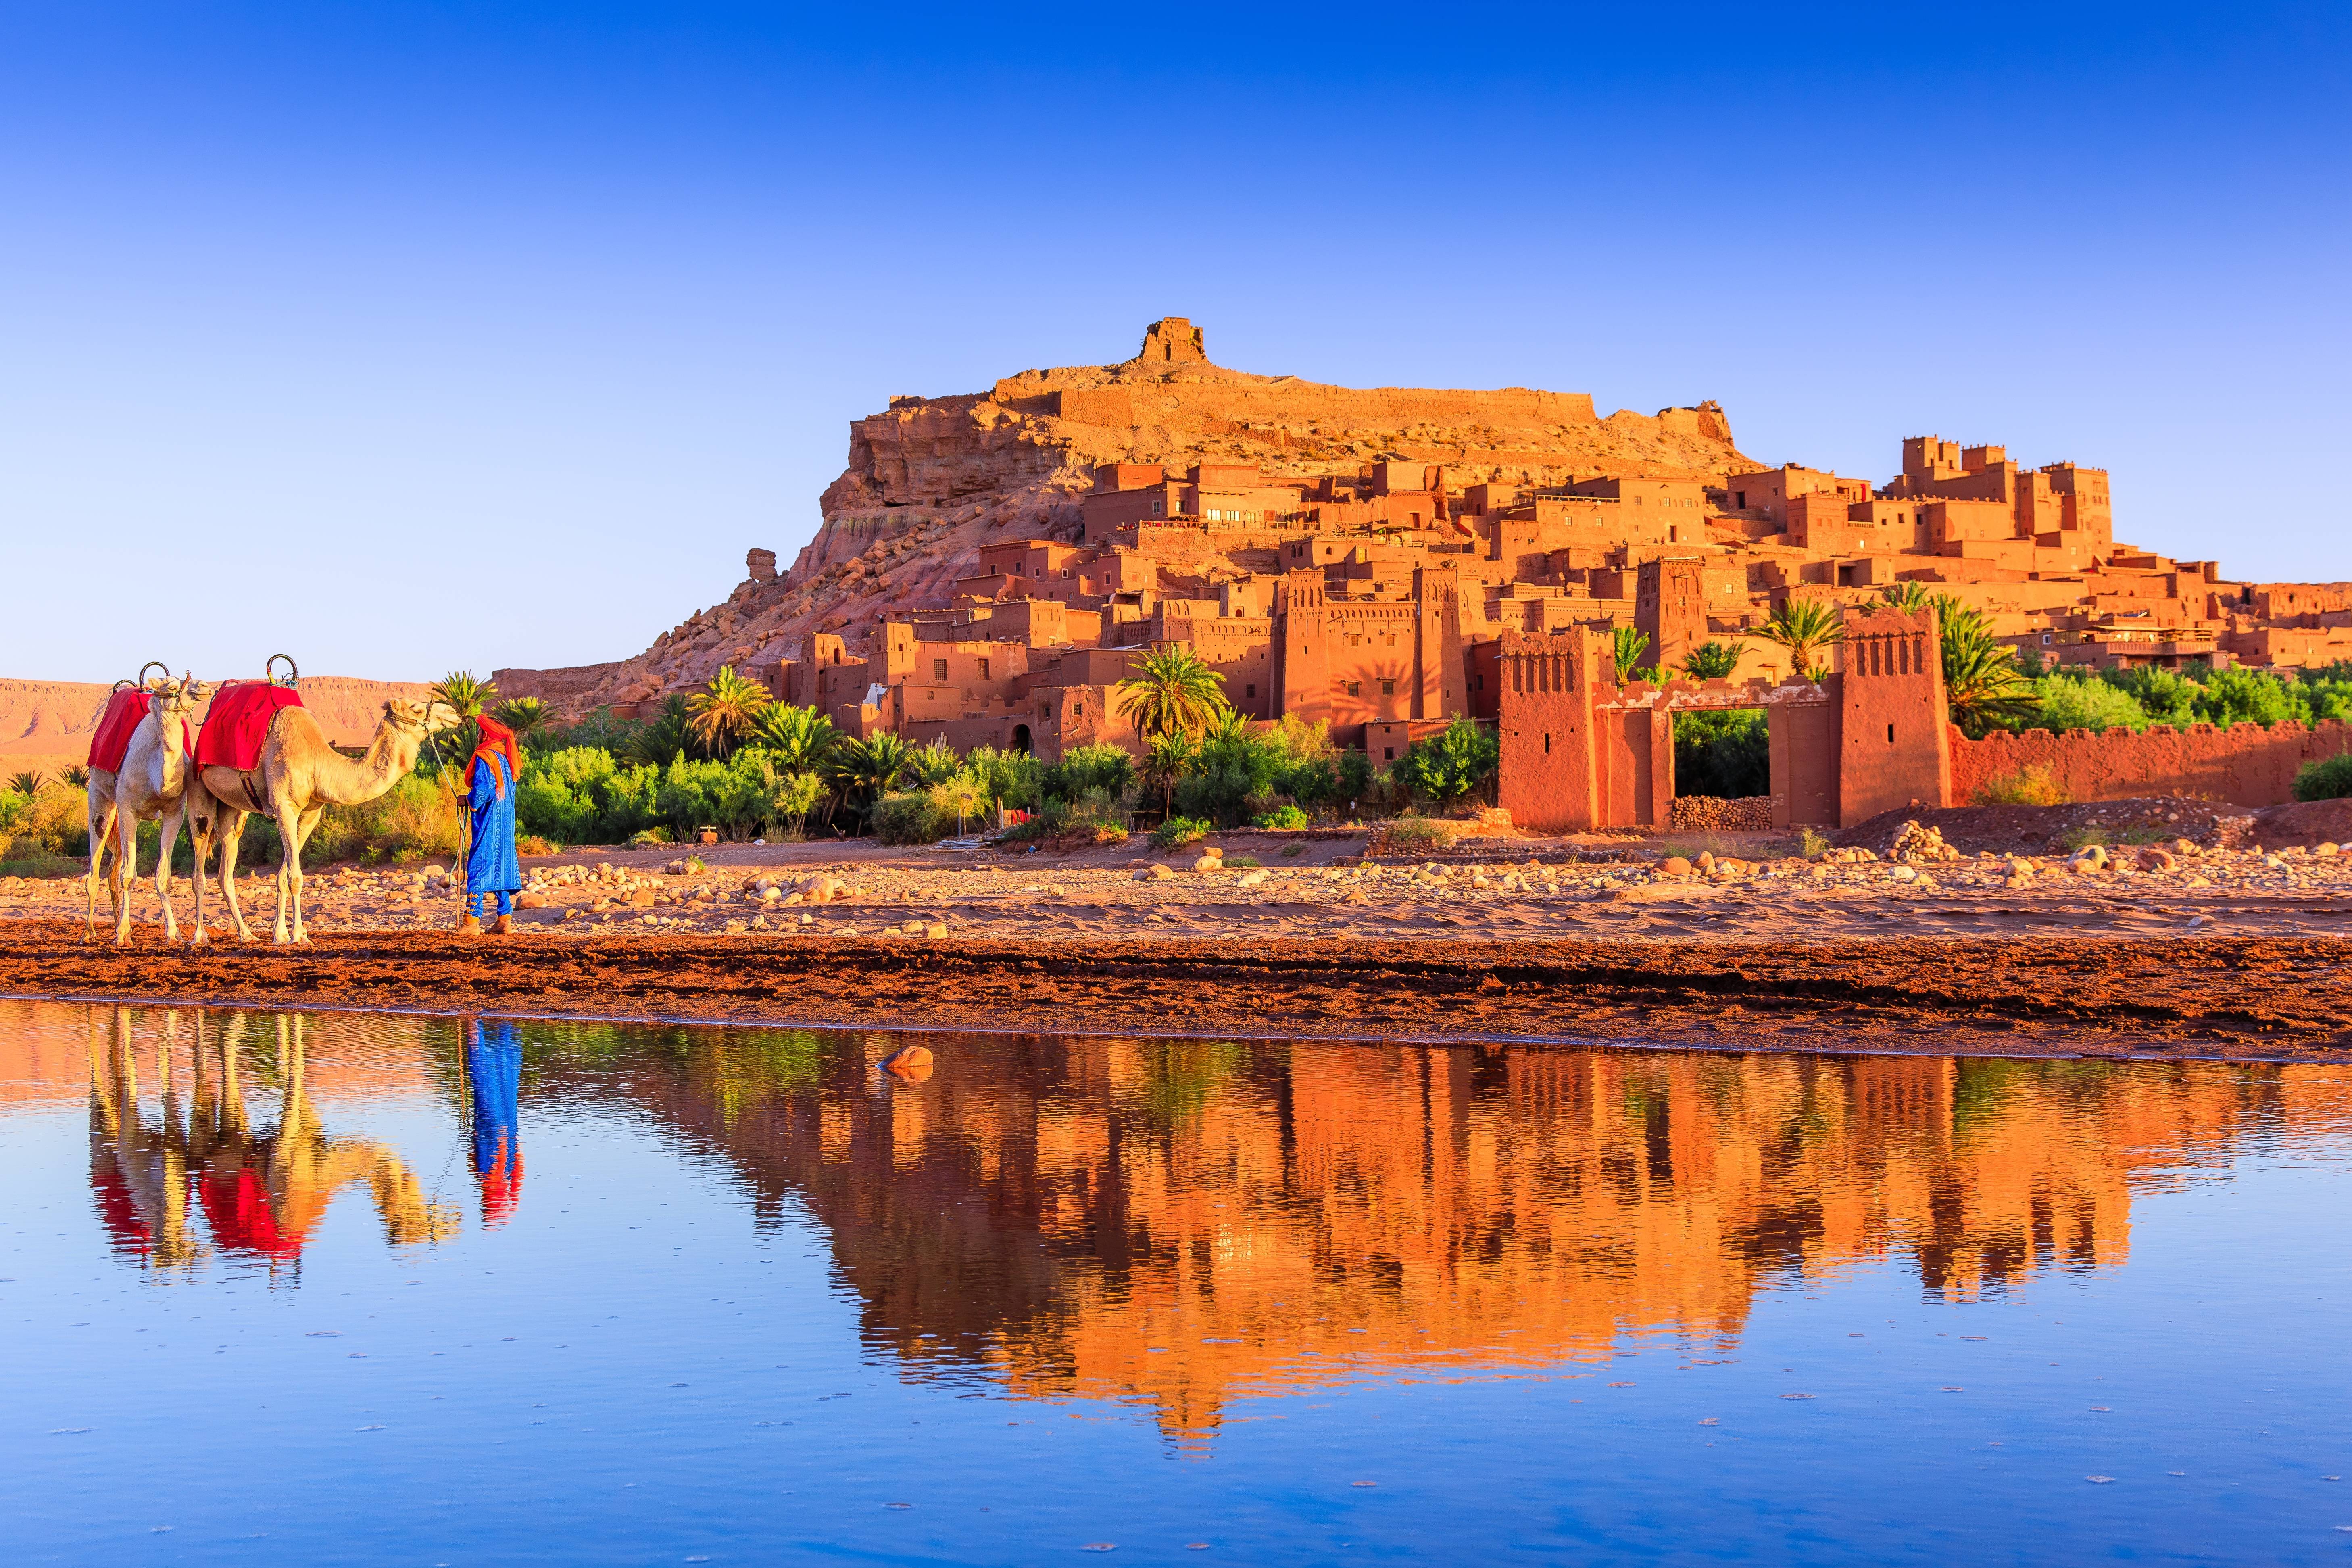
[
  {"x": 494, "y": 1074},
  {"x": 491, "y": 867}
]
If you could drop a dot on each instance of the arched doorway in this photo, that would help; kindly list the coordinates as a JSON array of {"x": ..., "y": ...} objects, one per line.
[{"x": 1021, "y": 739}]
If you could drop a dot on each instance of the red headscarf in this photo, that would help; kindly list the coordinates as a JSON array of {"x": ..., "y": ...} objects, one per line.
[{"x": 496, "y": 740}]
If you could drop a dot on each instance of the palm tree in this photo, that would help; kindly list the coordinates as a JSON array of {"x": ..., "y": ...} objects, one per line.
[
  {"x": 1171, "y": 690},
  {"x": 461, "y": 689},
  {"x": 870, "y": 768},
  {"x": 935, "y": 764},
  {"x": 1628, "y": 644},
  {"x": 1713, "y": 660},
  {"x": 26, "y": 783},
  {"x": 1805, "y": 626},
  {"x": 522, "y": 715},
  {"x": 469, "y": 695},
  {"x": 74, "y": 774},
  {"x": 1166, "y": 759},
  {"x": 661, "y": 740},
  {"x": 1982, "y": 684},
  {"x": 1912, "y": 595},
  {"x": 799, "y": 738},
  {"x": 726, "y": 714}
]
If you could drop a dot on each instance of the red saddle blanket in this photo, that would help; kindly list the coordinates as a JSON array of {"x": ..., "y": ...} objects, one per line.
[
  {"x": 238, "y": 721},
  {"x": 124, "y": 710}
]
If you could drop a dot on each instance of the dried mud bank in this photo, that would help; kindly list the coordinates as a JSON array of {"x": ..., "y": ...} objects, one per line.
[{"x": 2253, "y": 999}]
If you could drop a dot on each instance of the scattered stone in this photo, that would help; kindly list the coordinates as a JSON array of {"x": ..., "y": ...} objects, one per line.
[
  {"x": 1252, "y": 878},
  {"x": 1674, "y": 866},
  {"x": 912, "y": 1063},
  {"x": 1210, "y": 863},
  {"x": 530, "y": 901},
  {"x": 2328, "y": 851}
]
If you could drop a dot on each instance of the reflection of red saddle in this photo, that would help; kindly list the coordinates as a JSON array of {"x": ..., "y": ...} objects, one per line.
[
  {"x": 238, "y": 721},
  {"x": 124, "y": 709},
  {"x": 242, "y": 1220}
]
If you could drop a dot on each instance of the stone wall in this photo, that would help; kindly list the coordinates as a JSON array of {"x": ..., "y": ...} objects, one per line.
[{"x": 2244, "y": 763}]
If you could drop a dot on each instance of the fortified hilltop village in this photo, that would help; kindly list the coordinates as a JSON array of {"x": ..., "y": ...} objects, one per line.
[{"x": 990, "y": 564}]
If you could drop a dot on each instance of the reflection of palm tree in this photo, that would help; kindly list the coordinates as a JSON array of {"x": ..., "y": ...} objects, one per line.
[{"x": 494, "y": 1080}]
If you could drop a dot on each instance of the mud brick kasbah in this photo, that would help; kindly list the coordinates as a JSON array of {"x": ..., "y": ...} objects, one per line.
[{"x": 990, "y": 564}]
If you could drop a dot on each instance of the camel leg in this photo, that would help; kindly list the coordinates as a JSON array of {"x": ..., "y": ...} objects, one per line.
[
  {"x": 126, "y": 852},
  {"x": 102, "y": 834},
  {"x": 232, "y": 836},
  {"x": 308, "y": 825},
  {"x": 168, "y": 840},
  {"x": 289, "y": 871},
  {"x": 200, "y": 834}
]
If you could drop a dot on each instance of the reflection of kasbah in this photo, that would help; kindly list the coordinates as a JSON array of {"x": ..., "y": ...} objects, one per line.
[
  {"x": 261, "y": 1194},
  {"x": 494, "y": 1080},
  {"x": 1052, "y": 1211}
]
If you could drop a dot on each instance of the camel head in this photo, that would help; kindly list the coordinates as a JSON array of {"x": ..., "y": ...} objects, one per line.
[
  {"x": 417, "y": 720},
  {"x": 177, "y": 699}
]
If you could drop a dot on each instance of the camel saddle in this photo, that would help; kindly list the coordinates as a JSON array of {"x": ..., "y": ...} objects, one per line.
[
  {"x": 124, "y": 710},
  {"x": 238, "y": 722}
]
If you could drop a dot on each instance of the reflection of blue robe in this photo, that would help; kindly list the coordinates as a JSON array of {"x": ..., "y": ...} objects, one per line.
[
  {"x": 494, "y": 1076},
  {"x": 491, "y": 866}
]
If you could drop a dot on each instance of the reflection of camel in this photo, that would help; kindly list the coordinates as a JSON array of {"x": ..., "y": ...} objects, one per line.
[
  {"x": 138, "y": 1171},
  {"x": 494, "y": 1083},
  {"x": 298, "y": 775},
  {"x": 150, "y": 786},
  {"x": 263, "y": 1193}
]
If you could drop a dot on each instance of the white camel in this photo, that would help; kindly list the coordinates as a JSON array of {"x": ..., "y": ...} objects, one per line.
[
  {"x": 150, "y": 786},
  {"x": 298, "y": 776}
]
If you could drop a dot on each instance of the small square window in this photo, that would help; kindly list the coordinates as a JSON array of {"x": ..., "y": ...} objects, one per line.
[
  {"x": 940, "y": 670},
  {"x": 1250, "y": 691},
  {"x": 1388, "y": 689},
  {"x": 1388, "y": 753},
  {"x": 1355, "y": 688}
]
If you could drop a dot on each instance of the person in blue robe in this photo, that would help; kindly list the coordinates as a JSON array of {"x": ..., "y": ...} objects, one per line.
[
  {"x": 494, "y": 1080},
  {"x": 492, "y": 871}
]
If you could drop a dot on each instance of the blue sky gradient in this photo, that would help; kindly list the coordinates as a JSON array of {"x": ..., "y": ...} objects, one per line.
[{"x": 407, "y": 337}]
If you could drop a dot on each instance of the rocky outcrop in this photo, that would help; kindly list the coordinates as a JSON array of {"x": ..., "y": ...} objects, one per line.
[{"x": 929, "y": 479}]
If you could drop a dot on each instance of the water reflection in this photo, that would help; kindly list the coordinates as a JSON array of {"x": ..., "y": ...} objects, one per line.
[
  {"x": 261, "y": 1192},
  {"x": 1183, "y": 1224},
  {"x": 494, "y": 1082}
]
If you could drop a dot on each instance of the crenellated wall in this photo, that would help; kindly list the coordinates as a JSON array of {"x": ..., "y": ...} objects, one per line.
[{"x": 2244, "y": 763}]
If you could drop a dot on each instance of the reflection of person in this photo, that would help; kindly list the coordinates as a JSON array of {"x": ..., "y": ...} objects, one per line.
[
  {"x": 491, "y": 868},
  {"x": 494, "y": 1072}
]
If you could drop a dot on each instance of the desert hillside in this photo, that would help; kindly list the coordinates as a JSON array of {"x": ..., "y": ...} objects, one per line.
[
  {"x": 931, "y": 479},
  {"x": 46, "y": 724}
]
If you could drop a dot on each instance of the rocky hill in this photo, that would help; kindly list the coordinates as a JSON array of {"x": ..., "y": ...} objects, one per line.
[
  {"x": 46, "y": 725},
  {"x": 931, "y": 479}
]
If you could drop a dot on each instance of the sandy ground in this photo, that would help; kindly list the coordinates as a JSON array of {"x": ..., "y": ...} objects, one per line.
[{"x": 2198, "y": 949}]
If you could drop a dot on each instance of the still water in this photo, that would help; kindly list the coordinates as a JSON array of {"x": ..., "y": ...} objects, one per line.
[{"x": 350, "y": 1288}]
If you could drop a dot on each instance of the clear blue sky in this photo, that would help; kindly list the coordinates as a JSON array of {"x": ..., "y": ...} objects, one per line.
[{"x": 411, "y": 337}]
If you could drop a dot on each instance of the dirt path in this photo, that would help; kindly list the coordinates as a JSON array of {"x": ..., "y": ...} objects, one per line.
[{"x": 2278, "y": 998}]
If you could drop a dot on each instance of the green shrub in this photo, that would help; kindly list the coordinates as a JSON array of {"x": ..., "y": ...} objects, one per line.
[
  {"x": 2086, "y": 702},
  {"x": 1105, "y": 769},
  {"x": 1281, "y": 817},
  {"x": 1241, "y": 862},
  {"x": 1725, "y": 753},
  {"x": 1413, "y": 835},
  {"x": 580, "y": 795},
  {"x": 1812, "y": 846},
  {"x": 2031, "y": 786},
  {"x": 1289, "y": 850},
  {"x": 1449, "y": 765},
  {"x": 2329, "y": 780},
  {"x": 1014, "y": 779},
  {"x": 912, "y": 817},
  {"x": 1178, "y": 831}
]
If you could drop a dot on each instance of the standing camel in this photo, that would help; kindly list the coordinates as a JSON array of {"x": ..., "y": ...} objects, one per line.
[
  {"x": 150, "y": 786},
  {"x": 296, "y": 778}
]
